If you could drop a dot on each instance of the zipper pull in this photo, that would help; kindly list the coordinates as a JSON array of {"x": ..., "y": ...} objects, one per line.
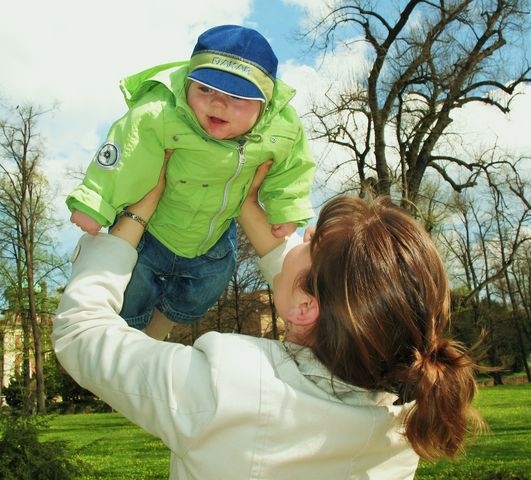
[{"x": 241, "y": 156}]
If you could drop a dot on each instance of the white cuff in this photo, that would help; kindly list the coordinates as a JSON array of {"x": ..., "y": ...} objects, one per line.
[{"x": 271, "y": 263}]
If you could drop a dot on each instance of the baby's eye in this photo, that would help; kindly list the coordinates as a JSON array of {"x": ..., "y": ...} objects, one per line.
[{"x": 205, "y": 89}]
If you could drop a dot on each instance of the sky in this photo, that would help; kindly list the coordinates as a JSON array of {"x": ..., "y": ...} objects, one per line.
[{"x": 70, "y": 55}]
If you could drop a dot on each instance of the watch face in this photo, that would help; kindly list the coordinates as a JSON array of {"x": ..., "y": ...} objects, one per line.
[{"x": 108, "y": 156}]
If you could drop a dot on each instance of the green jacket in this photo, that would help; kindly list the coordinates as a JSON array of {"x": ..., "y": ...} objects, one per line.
[{"x": 207, "y": 179}]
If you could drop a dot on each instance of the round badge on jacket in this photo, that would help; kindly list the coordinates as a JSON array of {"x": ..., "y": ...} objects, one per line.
[{"x": 108, "y": 156}]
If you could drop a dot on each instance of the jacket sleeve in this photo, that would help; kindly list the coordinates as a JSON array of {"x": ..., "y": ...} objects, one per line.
[
  {"x": 146, "y": 380},
  {"x": 285, "y": 192},
  {"x": 126, "y": 167}
]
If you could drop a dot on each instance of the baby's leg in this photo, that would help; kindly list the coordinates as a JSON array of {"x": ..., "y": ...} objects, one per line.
[{"x": 159, "y": 326}]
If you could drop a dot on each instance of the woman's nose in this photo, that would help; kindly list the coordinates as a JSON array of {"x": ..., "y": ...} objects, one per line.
[{"x": 308, "y": 233}]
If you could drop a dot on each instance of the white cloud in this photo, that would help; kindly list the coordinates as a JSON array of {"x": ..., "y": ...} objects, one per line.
[
  {"x": 329, "y": 74},
  {"x": 75, "y": 53},
  {"x": 52, "y": 47},
  {"x": 486, "y": 126}
]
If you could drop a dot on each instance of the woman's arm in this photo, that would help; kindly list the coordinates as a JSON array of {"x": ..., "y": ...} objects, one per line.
[
  {"x": 131, "y": 226},
  {"x": 253, "y": 218}
]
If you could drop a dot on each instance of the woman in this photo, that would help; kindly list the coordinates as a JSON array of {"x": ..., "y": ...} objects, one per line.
[{"x": 364, "y": 384}]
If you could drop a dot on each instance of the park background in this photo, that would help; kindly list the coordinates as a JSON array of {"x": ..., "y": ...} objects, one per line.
[{"x": 61, "y": 62}]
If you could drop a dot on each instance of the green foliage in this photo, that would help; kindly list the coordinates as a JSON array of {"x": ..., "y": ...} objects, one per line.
[
  {"x": 24, "y": 457},
  {"x": 16, "y": 393},
  {"x": 60, "y": 384},
  {"x": 500, "y": 346}
]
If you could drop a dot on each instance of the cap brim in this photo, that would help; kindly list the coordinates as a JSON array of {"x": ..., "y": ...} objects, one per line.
[{"x": 228, "y": 83}]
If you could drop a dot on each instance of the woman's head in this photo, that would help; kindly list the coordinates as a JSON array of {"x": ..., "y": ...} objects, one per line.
[
  {"x": 384, "y": 302},
  {"x": 381, "y": 288}
]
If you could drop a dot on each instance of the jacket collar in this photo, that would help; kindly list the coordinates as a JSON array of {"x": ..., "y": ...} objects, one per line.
[{"x": 312, "y": 369}]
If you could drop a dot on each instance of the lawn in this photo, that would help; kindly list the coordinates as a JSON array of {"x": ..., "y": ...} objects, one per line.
[
  {"x": 112, "y": 446},
  {"x": 502, "y": 454},
  {"x": 116, "y": 449}
]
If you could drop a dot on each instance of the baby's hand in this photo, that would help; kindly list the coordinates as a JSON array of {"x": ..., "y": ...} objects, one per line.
[
  {"x": 283, "y": 229},
  {"x": 85, "y": 222}
]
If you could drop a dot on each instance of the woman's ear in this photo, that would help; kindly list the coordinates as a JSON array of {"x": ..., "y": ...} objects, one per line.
[{"x": 305, "y": 313}]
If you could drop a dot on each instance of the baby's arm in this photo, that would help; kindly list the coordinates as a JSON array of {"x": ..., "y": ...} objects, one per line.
[{"x": 85, "y": 222}]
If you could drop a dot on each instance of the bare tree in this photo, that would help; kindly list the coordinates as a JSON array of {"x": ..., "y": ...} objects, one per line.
[
  {"x": 521, "y": 273},
  {"x": 426, "y": 60},
  {"x": 512, "y": 220},
  {"x": 490, "y": 232},
  {"x": 466, "y": 240},
  {"x": 26, "y": 248},
  {"x": 241, "y": 305}
]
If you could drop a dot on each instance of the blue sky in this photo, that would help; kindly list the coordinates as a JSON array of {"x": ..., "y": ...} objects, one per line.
[
  {"x": 72, "y": 54},
  {"x": 278, "y": 22}
]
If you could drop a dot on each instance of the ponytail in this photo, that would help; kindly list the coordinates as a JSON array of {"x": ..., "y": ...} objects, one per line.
[
  {"x": 384, "y": 303},
  {"x": 443, "y": 386}
]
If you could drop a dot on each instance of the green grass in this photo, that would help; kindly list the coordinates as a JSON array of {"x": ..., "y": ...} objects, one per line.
[
  {"x": 504, "y": 453},
  {"x": 111, "y": 446},
  {"x": 116, "y": 449}
]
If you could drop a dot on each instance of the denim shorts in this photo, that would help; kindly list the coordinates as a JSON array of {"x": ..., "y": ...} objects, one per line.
[{"x": 183, "y": 289}]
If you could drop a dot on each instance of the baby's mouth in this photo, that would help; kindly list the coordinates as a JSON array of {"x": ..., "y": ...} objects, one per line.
[{"x": 216, "y": 120}]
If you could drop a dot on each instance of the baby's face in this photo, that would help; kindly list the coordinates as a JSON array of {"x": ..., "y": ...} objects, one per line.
[{"x": 221, "y": 115}]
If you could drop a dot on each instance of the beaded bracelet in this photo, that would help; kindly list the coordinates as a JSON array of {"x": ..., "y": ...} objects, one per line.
[{"x": 134, "y": 216}]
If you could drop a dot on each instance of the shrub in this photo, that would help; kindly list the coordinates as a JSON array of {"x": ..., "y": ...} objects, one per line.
[
  {"x": 24, "y": 457},
  {"x": 17, "y": 395}
]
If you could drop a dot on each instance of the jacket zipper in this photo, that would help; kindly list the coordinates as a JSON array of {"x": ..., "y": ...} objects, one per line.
[{"x": 230, "y": 181}]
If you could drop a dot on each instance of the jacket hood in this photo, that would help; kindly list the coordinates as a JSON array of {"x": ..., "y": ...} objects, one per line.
[{"x": 174, "y": 77}]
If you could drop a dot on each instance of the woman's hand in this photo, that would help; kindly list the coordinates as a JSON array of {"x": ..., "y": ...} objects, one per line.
[
  {"x": 131, "y": 228},
  {"x": 283, "y": 230}
]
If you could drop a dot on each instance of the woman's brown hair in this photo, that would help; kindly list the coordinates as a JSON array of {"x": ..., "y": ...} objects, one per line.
[{"x": 384, "y": 304}]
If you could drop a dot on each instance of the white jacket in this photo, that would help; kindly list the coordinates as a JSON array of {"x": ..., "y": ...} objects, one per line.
[{"x": 230, "y": 407}]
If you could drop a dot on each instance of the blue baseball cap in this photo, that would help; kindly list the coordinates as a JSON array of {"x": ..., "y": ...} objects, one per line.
[{"x": 235, "y": 60}]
